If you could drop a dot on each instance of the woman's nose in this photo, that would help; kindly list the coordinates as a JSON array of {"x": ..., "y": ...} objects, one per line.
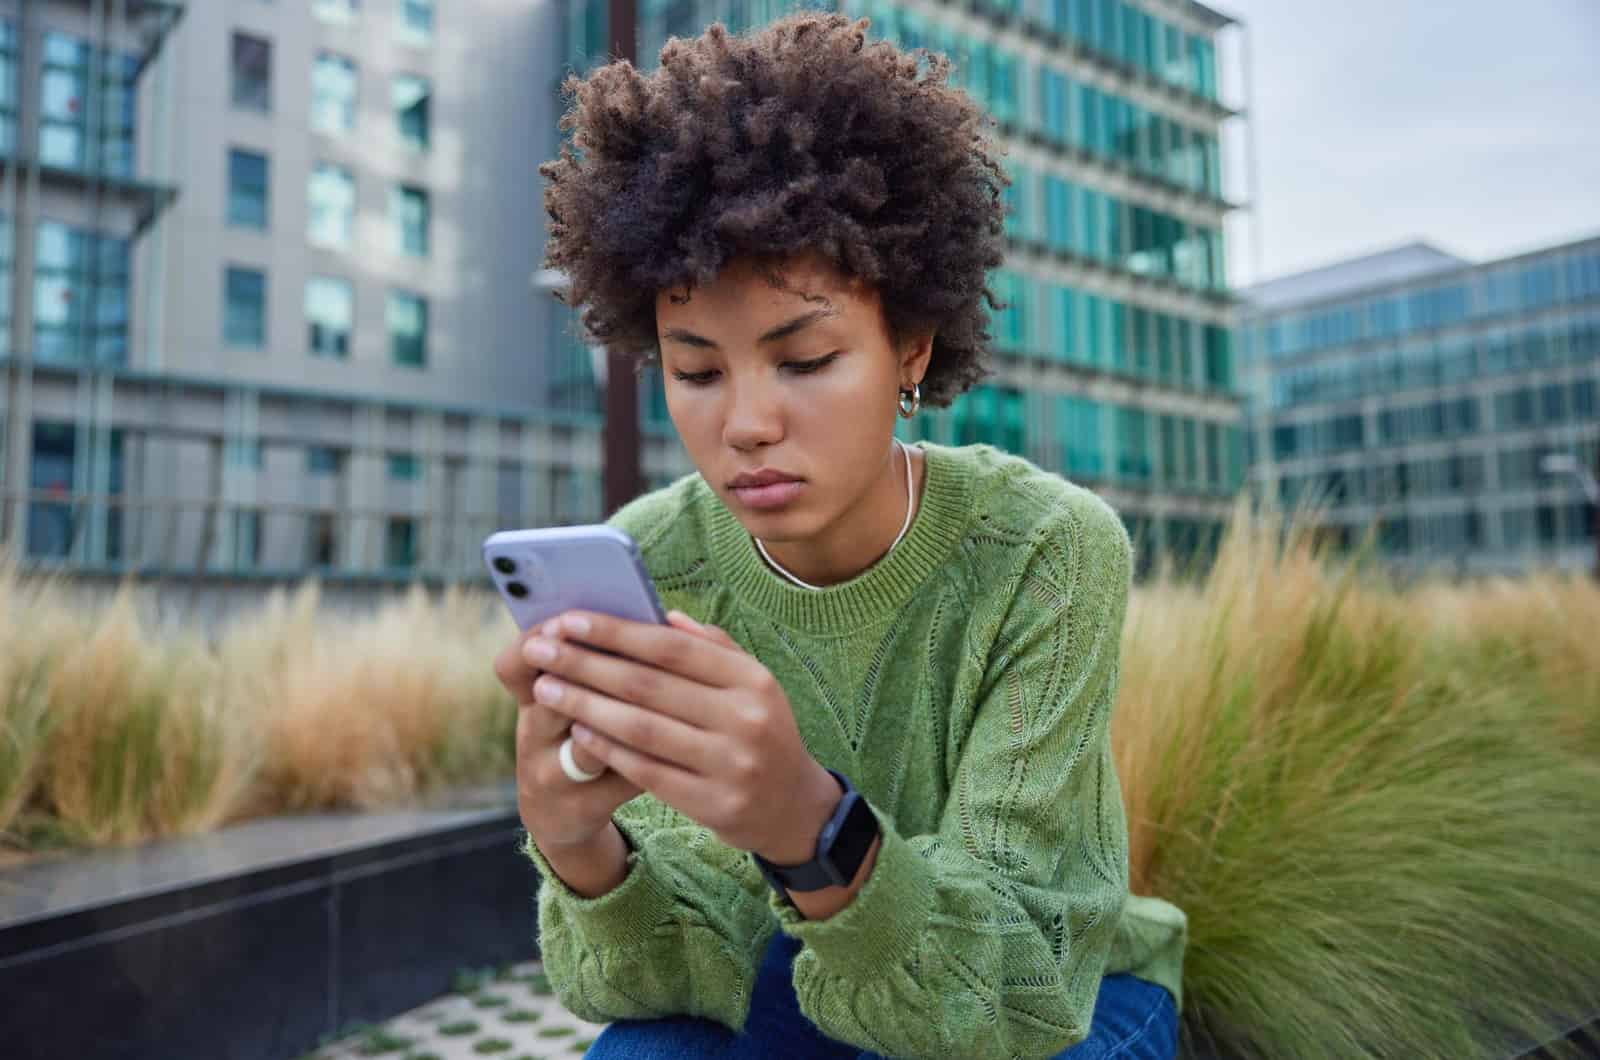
[{"x": 755, "y": 418}]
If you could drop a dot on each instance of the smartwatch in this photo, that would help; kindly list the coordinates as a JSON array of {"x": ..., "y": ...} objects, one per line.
[{"x": 842, "y": 846}]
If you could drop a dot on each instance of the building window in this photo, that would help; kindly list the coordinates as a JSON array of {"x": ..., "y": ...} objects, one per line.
[
  {"x": 408, "y": 207},
  {"x": 68, "y": 98},
  {"x": 400, "y": 544},
  {"x": 332, "y": 194},
  {"x": 245, "y": 546},
  {"x": 408, "y": 329},
  {"x": 80, "y": 295},
  {"x": 405, "y": 467},
  {"x": 244, "y": 313},
  {"x": 8, "y": 87},
  {"x": 51, "y": 523},
  {"x": 322, "y": 540},
  {"x": 247, "y": 189},
  {"x": 412, "y": 97},
  {"x": 338, "y": 11},
  {"x": 333, "y": 94},
  {"x": 324, "y": 460},
  {"x": 55, "y": 526},
  {"x": 247, "y": 453},
  {"x": 252, "y": 72},
  {"x": 416, "y": 21},
  {"x": 330, "y": 316}
]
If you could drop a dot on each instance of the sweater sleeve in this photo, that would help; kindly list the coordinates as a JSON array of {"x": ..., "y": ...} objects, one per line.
[
  {"x": 682, "y": 933},
  {"x": 989, "y": 938}
]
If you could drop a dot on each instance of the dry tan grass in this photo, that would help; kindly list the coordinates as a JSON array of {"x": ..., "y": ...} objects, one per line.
[
  {"x": 114, "y": 732},
  {"x": 372, "y": 712}
]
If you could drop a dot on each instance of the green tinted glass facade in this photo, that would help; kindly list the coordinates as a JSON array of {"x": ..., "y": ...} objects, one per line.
[{"x": 1423, "y": 411}]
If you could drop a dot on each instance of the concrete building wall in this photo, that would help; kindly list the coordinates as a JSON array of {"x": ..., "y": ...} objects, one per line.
[{"x": 489, "y": 127}]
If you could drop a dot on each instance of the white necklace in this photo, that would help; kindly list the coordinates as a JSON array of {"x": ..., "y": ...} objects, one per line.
[{"x": 910, "y": 508}]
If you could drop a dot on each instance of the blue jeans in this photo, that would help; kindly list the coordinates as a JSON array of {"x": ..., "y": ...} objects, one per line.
[{"x": 1133, "y": 1020}]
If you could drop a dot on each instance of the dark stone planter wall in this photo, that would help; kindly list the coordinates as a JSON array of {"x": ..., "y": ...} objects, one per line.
[{"x": 256, "y": 941}]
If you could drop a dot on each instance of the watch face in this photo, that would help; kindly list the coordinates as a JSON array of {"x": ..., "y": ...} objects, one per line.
[{"x": 854, "y": 838}]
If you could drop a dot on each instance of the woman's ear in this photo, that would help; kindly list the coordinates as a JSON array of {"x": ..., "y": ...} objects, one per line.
[{"x": 914, "y": 357}]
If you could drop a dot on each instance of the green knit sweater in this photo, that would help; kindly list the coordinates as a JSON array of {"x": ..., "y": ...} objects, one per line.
[{"x": 964, "y": 683}]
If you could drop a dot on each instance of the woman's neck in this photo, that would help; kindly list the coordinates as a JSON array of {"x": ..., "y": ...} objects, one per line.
[{"x": 861, "y": 536}]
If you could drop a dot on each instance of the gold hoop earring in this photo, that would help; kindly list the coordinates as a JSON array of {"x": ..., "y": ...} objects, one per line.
[{"x": 910, "y": 400}]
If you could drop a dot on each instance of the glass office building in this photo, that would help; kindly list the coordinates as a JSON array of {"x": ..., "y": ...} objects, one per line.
[
  {"x": 1114, "y": 356},
  {"x": 1419, "y": 395}
]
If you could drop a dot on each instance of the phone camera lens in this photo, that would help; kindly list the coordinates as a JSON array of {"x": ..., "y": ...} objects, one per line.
[
  {"x": 505, "y": 565},
  {"x": 517, "y": 589}
]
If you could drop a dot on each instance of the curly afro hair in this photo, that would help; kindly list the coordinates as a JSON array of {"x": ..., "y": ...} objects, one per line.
[{"x": 799, "y": 137}]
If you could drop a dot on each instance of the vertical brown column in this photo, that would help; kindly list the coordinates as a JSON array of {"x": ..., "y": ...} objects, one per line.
[{"x": 621, "y": 468}]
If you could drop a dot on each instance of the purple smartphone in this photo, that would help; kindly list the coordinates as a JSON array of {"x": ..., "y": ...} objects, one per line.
[{"x": 541, "y": 573}]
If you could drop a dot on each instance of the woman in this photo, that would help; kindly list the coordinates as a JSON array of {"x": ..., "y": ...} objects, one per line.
[{"x": 857, "y": 797}]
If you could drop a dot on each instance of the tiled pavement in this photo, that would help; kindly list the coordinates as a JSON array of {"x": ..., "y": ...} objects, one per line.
[{"x": 511, "y": 1015}]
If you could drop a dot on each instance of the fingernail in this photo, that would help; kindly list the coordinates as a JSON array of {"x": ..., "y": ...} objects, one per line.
[
  {"x": 581, "y": 733},
  {"x": 551, "y": 628},
  {"x": 539, "y": 651},
  {"x": 547, "y": 689},
  {"x": 576, "y": 624},
  {"x": 688, "y": 619}
]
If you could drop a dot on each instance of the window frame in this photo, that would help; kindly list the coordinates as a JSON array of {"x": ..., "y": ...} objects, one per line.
[{"x": 230, "y": 338}]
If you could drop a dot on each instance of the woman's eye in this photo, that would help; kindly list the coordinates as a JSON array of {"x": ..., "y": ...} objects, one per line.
[
  {"x": 696, "y": 378},
  {"x": 807, "y": 367}
]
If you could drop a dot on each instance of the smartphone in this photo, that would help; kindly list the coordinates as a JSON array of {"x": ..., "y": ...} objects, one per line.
[{"x": 541, "y": 573}]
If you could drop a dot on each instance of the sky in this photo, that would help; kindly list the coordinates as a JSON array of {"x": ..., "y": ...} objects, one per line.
[{"x": 1470, "y": 124}]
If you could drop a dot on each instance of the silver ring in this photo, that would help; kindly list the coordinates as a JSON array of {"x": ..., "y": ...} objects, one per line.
[{"x": 569, "y": 765}]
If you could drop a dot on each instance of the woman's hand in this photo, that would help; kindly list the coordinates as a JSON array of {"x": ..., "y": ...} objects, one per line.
[
  {"x": 555, "y": 810},
  {"x": 683, "y": 712}
]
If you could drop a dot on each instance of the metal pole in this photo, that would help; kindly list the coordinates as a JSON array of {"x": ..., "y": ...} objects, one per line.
[{"x": 622, "y": 481}]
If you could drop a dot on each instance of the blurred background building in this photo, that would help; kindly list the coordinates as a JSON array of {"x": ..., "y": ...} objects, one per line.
[
  {"x": 265, "y": 299},
  {"x": 264, "y": 303},
  {"x": 1426, "y": 395}
]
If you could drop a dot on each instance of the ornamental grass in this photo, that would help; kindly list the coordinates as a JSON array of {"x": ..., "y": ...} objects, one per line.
[{"x": 1376, "y": 803}]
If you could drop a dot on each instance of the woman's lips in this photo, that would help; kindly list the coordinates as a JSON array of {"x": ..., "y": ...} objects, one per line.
[{"x": 769, "y": 497}]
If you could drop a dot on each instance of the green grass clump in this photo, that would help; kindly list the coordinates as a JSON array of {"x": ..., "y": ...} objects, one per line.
[
  {"x": 1380, "y": 848},
  {"x": 492, "y": 1045},
  {"x": 471, "y": 980},
  {"x": 379, "y": 1041},
  {"x": 458, "y": 1028},
  {"x": 520, "y": 1015}
]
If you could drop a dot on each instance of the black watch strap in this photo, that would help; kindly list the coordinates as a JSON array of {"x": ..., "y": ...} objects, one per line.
[{"x": 842, "y": 846}]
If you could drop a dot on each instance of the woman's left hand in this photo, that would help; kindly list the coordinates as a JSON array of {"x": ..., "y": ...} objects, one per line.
[{"x": 685, "y": 713}]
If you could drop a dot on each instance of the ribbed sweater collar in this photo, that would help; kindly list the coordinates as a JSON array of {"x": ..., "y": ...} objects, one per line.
[{"x": 883, "y": 588}]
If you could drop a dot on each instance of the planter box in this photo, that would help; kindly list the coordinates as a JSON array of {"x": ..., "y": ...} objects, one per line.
[{"x": 255, "y": 941}]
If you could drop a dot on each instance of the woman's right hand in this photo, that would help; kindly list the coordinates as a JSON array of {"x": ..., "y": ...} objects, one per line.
[{"x": 556, "y": 810}]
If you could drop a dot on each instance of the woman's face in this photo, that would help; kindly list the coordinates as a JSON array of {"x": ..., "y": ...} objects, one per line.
[{"x": 784, "y": 395}]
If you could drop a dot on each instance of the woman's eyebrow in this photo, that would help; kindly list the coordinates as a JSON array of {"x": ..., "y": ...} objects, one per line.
[{"x": 782, "y": 331}]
